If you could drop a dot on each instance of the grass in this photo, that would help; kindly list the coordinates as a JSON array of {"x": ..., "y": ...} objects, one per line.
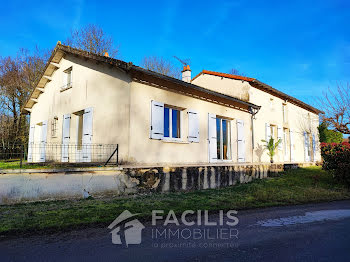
[
  {"x": 16, "y": 165},
  {"x": 306, "y": 185}
]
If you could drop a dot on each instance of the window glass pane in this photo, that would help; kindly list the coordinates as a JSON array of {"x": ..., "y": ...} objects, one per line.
[
  {"x": 166, "y": 122},
  {"x": 175, "y": 123},
  {"x": 218, "y": 136}
]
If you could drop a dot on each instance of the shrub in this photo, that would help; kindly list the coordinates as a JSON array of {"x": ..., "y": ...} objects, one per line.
[
  {"x": 329, "y": 136},
  {"x": 336, "y": 158}
]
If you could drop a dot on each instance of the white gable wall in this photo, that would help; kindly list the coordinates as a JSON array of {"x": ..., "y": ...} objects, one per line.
[{"x": 104, "y": 89}]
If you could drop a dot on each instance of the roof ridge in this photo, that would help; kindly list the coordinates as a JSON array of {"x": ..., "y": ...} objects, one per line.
[
  {"x": 71, "y": 49},
  {"x": 228, "y": 75}
]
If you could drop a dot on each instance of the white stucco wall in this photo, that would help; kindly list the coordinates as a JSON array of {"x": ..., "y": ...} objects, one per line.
[
  {"x": 99, "y": 86},
  {"x": 146, "y": 150},
  {"x": 16, "y": 188},
  {"x": 122, "y": 112},
  {"x": 298, "y": 119}
]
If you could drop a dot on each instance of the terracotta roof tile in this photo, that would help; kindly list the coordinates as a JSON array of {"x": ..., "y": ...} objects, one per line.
[{"x": 249, "y": 79}]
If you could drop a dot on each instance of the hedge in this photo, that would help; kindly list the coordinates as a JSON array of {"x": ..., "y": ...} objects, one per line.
[{"x": 336, "y": 158}]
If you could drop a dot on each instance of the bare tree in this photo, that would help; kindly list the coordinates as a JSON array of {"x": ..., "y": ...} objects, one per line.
[
  {"x": 18, "y": 77},
  {"x": 160, "y": 65},
  {"x": 336, "y": 105},
  {"x": 93, "y": 39},
  {"x": 236, "y": 72}
]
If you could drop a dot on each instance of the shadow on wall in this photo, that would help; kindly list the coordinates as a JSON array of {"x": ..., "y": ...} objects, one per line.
[{"x": 259, "y": 151}]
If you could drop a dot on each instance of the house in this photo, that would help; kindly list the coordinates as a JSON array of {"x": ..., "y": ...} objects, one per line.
[{"x": 84, "y": 101}]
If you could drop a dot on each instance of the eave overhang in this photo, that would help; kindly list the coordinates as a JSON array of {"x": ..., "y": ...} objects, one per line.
[
  {"x": 138, "y": 74},
  {"x": 148, "y": 77}
]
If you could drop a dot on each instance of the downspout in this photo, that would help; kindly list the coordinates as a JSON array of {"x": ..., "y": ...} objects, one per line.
[{"x": 253, "y": 112}]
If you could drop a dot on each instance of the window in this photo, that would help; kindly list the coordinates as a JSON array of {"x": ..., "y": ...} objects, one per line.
[
  {"x": 284, "y": 111},
  {"x": 271, "y": 103},
  {"x": 223, "y": 131},
  {"x": 67, "y": 79},
  {"x": 84, "y": 132},
  {"x": 273, "y": 132},
  {"x": 285, "y": 143},
  {"x": 166, "y": 123},
  {"x": 80, "y": 130},
  {"x": 54, "y": 127},
  {"x": 310, "y": 147},
  {"x": 172, "y": 122}
]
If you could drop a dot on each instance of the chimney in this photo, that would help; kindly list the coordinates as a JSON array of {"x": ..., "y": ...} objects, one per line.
[
  {"x": 186, "y": 74},
  {"x": 106, "y": 54}
]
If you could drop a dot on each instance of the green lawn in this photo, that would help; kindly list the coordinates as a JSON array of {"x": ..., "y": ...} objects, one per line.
[
  {"x": 25, "y": 165},
  {"x": 304, "y": 185},
  {"x": 16, "y": 165}
]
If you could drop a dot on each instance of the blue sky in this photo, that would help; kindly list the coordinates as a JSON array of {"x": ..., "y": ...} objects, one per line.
[{"x": 298, "y": 47}]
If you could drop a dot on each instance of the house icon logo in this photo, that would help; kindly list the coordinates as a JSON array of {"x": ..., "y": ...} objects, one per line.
[{"x": 127, "y": 229}]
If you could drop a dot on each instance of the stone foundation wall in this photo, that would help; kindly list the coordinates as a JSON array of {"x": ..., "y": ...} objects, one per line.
[
  {"x": 171, "y": 179},
  {"x": 16, "y": 188}
]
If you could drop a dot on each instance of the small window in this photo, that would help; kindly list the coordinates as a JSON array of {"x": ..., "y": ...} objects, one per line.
[
  {"x": 284, "y": 111},
  {"x": 172, "y": 122},
  {"x": 271, "y": 103},
  {"x": 67, "y": 78},
  {"x": 54, "y": 127}
]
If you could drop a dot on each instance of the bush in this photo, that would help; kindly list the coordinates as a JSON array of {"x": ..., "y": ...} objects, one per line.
[
  {"x": 329, "y": 136},
  {"x": 336, "y": 158}
]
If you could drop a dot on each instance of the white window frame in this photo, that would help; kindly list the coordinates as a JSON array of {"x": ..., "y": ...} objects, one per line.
[
  {"x": 66, "y": 84},
  {"x": 222, "y": 140},
  {"x": 170, "y": 138}
]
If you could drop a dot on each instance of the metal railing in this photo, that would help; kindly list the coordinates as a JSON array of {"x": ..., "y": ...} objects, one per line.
[
  {"x": 11, "y": 151},
  {"x": 60, "y": 153}
]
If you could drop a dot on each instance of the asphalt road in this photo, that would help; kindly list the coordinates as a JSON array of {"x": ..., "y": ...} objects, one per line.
[{"x": 314, "y": 232}]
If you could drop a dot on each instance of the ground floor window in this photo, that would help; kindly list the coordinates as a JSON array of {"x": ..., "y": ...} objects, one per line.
[
  {"x": 54, "y": 127},
  {"x": 310, "y": 147},
  {"x": 223, "y": 130},
  {"x": 273, "y": 132},
  {"x": 80, "y": 129},
  {"x": 172, "y": 122}
]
